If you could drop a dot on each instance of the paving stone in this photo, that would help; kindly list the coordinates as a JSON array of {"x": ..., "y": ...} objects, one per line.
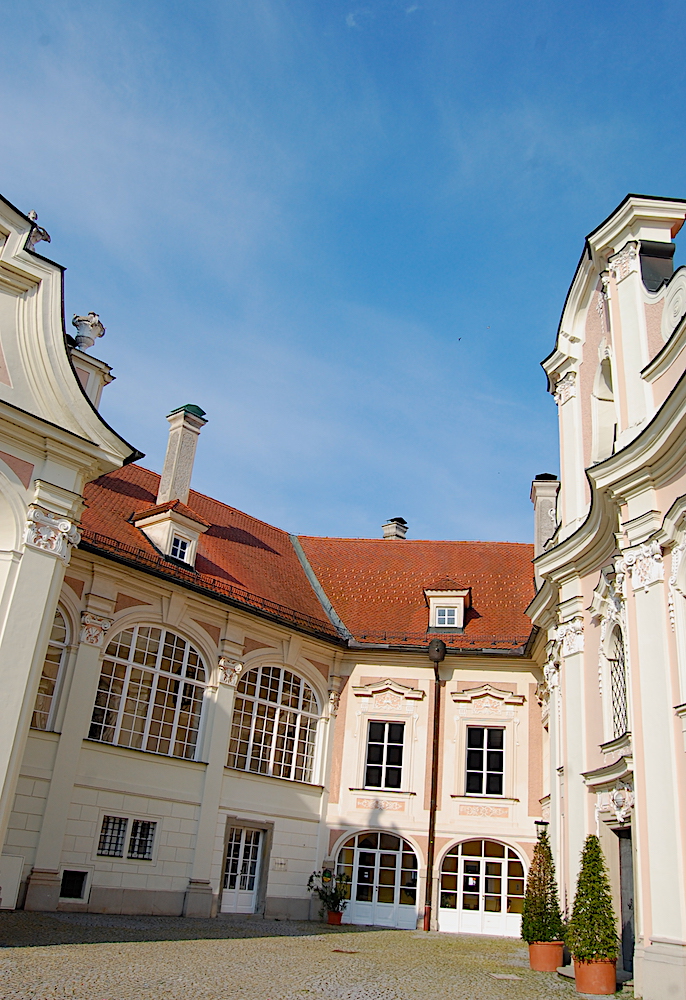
[{"x": 52, "y": 956}]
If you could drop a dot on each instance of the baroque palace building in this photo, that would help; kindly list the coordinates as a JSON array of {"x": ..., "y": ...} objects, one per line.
[
  {"x": 612, "y": 605},
  {"x": 200, "y": 709}
]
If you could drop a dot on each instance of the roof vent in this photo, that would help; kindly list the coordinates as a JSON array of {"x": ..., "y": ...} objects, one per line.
[{"x": 395, "y": 527}]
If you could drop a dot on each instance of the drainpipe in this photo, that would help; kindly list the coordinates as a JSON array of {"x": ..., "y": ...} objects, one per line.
[{"x": 436, "y": 655}]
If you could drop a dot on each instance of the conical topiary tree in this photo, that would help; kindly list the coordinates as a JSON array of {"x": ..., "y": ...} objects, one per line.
[
  {"x": 592, "y": 934},
  {"x": 541, "y": 917}
]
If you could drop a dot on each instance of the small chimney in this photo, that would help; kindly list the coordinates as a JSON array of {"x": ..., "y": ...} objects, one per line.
[
  {"x": 544, "y": 498},
  {"x": 185, "y": 424},
  {"x": 395, "y": 527}
]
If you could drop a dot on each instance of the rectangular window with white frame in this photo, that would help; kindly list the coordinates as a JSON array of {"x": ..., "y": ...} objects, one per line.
[
  {"x": 112, "y": 842},
  {"x": 485, "y": 760},
  {"x": 179, "y": 548},
  {"x": 384, "y": 763}
]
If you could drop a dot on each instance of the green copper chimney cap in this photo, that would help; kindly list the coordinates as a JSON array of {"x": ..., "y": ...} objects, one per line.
[{"x": 189, "y": 408}]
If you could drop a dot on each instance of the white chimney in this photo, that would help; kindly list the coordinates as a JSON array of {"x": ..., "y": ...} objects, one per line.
[
  {"x": 185, "y": 425},
  {"x": 395, "y": 527}
]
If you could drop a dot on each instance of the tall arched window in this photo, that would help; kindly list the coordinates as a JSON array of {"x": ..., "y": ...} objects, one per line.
[
  {"x": 620, "y": 711},
  {"x": 150, "y": 693},
  {"x": 43, "y": 711},
  {"x": 274, "y": 724}
]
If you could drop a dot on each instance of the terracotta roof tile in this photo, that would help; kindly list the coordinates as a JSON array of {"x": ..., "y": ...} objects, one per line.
[
  {"x": 377, "y": 586},
  {"x": 174, "y": 505}
]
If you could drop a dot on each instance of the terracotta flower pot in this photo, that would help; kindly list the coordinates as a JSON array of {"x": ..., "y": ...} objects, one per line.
[
  {"x": 545, "y": 956},
  {"x": 598, "y": 978},
  {"x": 333, "y": 918}
]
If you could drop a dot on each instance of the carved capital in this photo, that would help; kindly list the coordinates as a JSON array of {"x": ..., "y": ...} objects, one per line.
[
  {"x": 571, "y": 636},
  {"x": 50, "y": 532},
  {"x": 644, "y": 564},
  {"x": 565, "y": 388},
  {"x": 625, "y": 262},
  {"x": 93, "y": 628},
  {"x": 230, "y": 670}
]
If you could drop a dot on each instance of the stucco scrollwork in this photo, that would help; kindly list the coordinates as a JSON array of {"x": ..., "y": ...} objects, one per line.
[
  {"x": 677, "y": 556},
  {"x": 50, "y": 532},
  {"x": 565, "y": 389},
  {"x": 609, "y": 610},
  {"x": 229, "y": 670},
  {"x": 621, "y": 802},
  {"x": 334, "y": 702},
  {"x": 644, "y": 564},
  {"x": 625, "y": 262},
  {"x": 675, "y": 306},
  {"x": 571, "y": 636},
  {"x": 94, "y": 628}
]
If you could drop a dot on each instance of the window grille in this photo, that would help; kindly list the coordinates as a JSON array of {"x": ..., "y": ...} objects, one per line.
[
  {"x": 112, "y": 836},
  {"x": 618, "y": 687},
  {"x": 274, "y": 724},
  {"x": 150, "y": 693},
  {"x": 142, "y": 839},
  {"x": 384, "y": 767},
  {"x": 485, "y": 760},
  {"x": 54, "y": 661}
]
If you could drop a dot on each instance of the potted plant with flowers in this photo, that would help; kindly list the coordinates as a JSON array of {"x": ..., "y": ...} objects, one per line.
[
  {"x": 542, "y": 925},
  {"x": 333, "y": 892},
  {"x": 592, "y": 935}
]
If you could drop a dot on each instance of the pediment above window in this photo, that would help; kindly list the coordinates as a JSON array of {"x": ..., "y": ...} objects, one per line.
[
  {"x": 396, "y": 692},
  {"x": 487, "y": 700}
]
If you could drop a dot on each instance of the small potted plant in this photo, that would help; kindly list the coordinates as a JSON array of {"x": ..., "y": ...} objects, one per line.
[
  {"x": 592, "y": 935},
  {"x": 542, "y": 925},
  {"x": 333, "y": 892}
]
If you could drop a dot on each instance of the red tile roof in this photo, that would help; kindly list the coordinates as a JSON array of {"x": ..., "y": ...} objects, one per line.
[
  {"x": 377, "y": 587},
  {"x": 238, "y": 557},
  {"x": 175, "y": 505}
]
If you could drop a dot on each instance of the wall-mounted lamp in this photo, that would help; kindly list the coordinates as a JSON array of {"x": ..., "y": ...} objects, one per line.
[{"x": 541, "y": 827}]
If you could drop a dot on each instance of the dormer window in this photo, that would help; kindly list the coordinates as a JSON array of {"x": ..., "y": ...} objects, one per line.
[
  {"x": 447, "y": 609},
  {"x": 179, "y": 548},
  {"x": 174, "y": 529}
]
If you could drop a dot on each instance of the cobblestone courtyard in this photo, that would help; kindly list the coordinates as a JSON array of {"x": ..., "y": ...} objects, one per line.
[{"x": 95, "y": 957}]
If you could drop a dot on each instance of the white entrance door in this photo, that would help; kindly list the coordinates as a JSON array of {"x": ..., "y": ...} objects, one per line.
[
  {"x": 383, "y": 873},
  {"x": 482, "y": 889},
  {"x": 242, "y": 870}
]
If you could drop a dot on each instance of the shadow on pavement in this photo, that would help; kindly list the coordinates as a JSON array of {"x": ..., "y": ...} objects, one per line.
[{"x": 20, "y": 929}]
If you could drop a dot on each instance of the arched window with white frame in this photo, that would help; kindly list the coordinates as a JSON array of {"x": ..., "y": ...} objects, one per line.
[
  {"x": 44, "y": 708},
  {"x": 150, "y": 693},
  {"x": 274, "y": 724}
]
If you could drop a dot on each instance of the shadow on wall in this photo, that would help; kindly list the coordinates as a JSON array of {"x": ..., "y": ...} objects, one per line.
[{"x": 20, "y": 929}]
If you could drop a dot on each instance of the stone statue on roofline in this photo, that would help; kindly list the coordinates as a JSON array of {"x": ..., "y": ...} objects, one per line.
[{"x": 88, "y": 328}]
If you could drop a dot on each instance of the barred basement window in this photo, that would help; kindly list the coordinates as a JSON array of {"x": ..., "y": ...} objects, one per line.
[
  {"x": 150, "y": 693},
  {"x": 112, "y": 836},
  {"x": 54, "y": 661},
  {"x": 274, "y": 724},
  {"x": 142, "y": 839},
  {"x": 620, "y": 711}
]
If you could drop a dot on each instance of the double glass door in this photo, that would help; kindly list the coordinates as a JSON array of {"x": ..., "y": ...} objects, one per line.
[
  {"x": 482, "y": 889},
  {"x": 383, "y": 873},
  {"x": 241, "y": 871}
]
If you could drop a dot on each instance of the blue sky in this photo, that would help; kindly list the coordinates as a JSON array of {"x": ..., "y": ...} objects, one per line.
[{"x": 345, "y": 230}]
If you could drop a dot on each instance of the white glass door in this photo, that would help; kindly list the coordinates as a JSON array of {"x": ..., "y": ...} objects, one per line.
[
  {"x": 383, "y": 873},
  {"x": 241, "y": 871},
  {"x": 482, "y": 889}
]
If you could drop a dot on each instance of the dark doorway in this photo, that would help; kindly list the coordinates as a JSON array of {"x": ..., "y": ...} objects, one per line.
[{"x": 626, "y": 881}]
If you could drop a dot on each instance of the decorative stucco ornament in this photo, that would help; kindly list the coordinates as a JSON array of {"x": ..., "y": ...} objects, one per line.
[
  {"x": 37, "y": 233},
  {"x": 88, "y": 329},
  {"x": 334, "y": 702},
  {"x": 624, "y": 262},
  {"x": 230, "y": 670},
  {"x": 571, "y": 635},
  {"x": 50, "y": 532},
  {"x": 565, "y": 389},
  {"x": 677, "y": 555},
  {"x": 622, "y": 802},
  {"x": 93, "y": 628},
  {"x": 644, "y": 564}
]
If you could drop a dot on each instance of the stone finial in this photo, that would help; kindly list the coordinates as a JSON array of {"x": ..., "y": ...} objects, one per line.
[
  {"x": 88, "y": 328},
  {"x": 37, "y": 233}
]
